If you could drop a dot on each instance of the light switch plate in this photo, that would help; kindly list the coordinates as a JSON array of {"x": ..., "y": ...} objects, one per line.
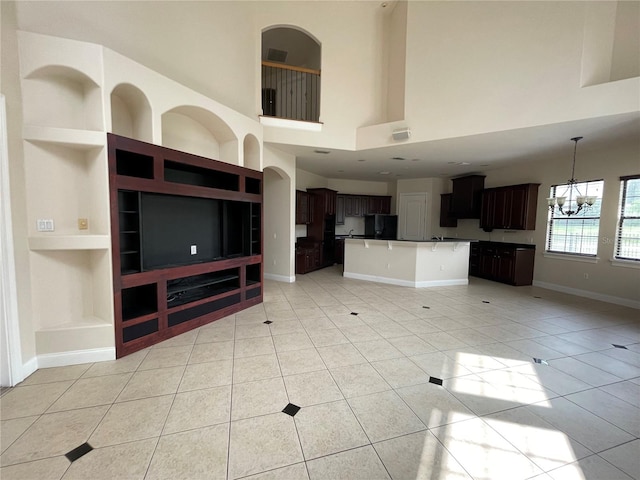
[
  {"x": 194, "y": 249},
  {"x": 83, "y": 223},
  {"x": 45, "y": 225}
]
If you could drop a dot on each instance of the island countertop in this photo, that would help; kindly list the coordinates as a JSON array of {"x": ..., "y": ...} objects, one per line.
[{"x": 426, "y": 263}]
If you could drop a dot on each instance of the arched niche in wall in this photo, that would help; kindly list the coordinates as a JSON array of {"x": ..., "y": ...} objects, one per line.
[
  {"x": 131, "y": 113},
  {"x": 200, "y": 132},
  {"x": 251, "y": 150},
  {"x": 62, "y": 97},
  {"x": 277, "y": 207}
]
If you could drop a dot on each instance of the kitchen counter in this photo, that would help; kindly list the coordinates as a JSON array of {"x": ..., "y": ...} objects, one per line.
[{"x": 428, "y": 263}]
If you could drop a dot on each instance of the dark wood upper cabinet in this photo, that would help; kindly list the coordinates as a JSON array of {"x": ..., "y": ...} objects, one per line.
[
  {"x": 378, "y": 204},
  {"x": 467, "y": 196},
  {"x": 359, "y": 205},
  {"x": 303, "y": 212},
  {"x": 340, "y": 209},
  {"x": 512, "y": 207},
  {"x": 446, "y": 218},
  {"x": 324, "y": 200}
]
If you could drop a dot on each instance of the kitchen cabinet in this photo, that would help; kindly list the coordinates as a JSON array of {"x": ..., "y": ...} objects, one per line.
[
  {"x": 512, "y": 207},
  {"x": 353, "y": 205},
  {"x": 378, "y": 204},
  {"x": 303, "y": 213},
  {"x": 322, "y": 227},
  {"x": 446, "y": 218},
  {"x": 324, "y": 200},
  {"x": 502, "y": 262},
  {"x": 339, "y": 251},
  {"x": 467, "y": 196},
  {"x": 360, "y": 205},
  {"x": 340, "y": 209},
  {"x": 308, "y": 258}
]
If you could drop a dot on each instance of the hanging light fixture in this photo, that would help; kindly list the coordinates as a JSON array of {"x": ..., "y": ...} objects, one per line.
[{"x": 582, "y": 202}]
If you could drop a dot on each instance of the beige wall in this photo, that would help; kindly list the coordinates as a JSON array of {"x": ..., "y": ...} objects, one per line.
[
  {"x": 279, "y": 214},
  {"x": 508, "y": 65}
]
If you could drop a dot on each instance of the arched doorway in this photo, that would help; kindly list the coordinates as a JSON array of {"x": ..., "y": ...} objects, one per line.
[{"x": 291, "y": 61}]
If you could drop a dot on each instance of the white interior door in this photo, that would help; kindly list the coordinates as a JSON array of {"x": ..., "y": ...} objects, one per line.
[{"x": 412, "y": 217}]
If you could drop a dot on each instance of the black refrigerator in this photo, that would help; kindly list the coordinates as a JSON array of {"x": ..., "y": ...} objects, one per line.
[{"x": 384, "y": 227}]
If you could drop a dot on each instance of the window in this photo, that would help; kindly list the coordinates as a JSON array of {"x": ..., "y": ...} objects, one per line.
[
  {"x": 575, "y": 234},
  {"x": 628, "y": 235}
]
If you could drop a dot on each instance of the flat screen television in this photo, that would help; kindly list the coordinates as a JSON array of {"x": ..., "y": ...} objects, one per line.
[{"x": 172, "y": 225}]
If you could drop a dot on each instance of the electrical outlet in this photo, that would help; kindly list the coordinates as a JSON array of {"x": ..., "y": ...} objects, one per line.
[
  {"x": 83, "y": 223},
  {"x": 45, "y": 225},
  {"x": 194, "y": 249}
]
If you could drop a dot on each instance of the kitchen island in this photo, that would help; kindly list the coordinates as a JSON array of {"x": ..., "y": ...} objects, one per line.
[{"x": 419, "y": 264}]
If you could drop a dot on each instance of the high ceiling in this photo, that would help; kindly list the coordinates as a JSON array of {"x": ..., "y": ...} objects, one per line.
[{"x": 472, "y": 154}]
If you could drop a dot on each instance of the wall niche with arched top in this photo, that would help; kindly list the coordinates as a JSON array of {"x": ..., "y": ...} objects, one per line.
[
  {"x": 200, "y": 132},
  {"x": 62, "y": 97},
  {"x": 251, "y": 153},
  {"x": 131, "y": 113}
]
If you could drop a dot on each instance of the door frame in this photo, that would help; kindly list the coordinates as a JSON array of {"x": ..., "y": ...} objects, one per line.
[{"x": 11, "y": 370}]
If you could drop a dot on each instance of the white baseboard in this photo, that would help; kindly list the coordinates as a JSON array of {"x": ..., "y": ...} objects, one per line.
[
  {"x": 29, "y": 367},
  {"x": 406, "y": 283},
  {"x": 586, "y": 293},
  {"x": 442, "y": 283},
  {"x": 76, "y": 357},
  {"x": 279, "y": 278}
]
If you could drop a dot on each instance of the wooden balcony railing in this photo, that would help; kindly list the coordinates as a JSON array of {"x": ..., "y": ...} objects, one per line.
[{"x": 290, "y": 92}]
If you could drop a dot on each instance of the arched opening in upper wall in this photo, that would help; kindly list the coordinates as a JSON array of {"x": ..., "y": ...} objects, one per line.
[
  {"x": 291, "y": 66},
  {"x": 131, "y": 113},
  {"x": 200, "y": 132}
]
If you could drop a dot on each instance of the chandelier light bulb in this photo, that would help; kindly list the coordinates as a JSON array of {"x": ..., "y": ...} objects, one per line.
[{"x": 561, "y": 201}]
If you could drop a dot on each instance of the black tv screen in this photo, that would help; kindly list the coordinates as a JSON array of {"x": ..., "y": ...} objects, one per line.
[{"x": 172, "y": 225}]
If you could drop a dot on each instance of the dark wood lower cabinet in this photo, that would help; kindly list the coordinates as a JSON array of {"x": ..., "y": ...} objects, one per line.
[
  {"x": 502, "y": 262},
  {"x": 308, "y": 258}
]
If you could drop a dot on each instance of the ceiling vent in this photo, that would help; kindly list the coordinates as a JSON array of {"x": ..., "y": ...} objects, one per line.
[{"x": 275, "y": 55}]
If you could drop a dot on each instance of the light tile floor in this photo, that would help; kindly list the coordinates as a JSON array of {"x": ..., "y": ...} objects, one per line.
[{"x": 392, "y": 382}]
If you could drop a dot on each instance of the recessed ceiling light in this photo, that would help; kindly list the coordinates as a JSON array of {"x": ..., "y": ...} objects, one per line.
[
  {"x": 398, "y": 158},
  {"x": 384, "y": 173},
  {"x": 464, "y": 163},
  {"x": 361, "y": 160},
  {"x": 324, "y": 152}
]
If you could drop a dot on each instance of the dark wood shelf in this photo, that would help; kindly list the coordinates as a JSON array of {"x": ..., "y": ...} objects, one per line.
[{"x": 153, "y": 303}]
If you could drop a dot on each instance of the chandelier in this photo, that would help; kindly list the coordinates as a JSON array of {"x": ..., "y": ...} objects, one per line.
[{"x": 582, "y": 202}]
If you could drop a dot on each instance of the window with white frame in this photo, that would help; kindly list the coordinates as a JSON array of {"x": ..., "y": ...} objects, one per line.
[
  {"x": 628, "y": 234},
  {"x": 573, "y": 230}
]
